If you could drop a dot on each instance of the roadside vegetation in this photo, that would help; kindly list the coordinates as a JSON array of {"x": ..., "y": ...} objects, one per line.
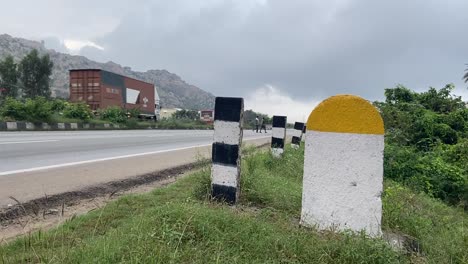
[
  {"x": 41, "y": 109},
  {"x": 427, "y": 142},
  {"x": 180, "y": 224}
]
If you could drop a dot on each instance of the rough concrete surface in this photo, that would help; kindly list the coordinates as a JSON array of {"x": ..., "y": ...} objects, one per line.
[{"x": 343, "y": 181}]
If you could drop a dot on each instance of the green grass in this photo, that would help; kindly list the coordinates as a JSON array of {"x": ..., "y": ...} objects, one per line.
[{"x": 179, "y": 224}]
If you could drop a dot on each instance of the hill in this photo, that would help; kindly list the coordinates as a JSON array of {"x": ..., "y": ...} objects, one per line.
[{"x": 173, "y": 91}]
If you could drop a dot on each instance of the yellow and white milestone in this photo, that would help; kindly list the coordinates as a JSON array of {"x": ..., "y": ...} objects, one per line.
[{"x": 343, "y": 166}]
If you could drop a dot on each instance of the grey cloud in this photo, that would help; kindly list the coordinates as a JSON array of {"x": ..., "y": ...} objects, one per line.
[{"x": 307, "y": 48}]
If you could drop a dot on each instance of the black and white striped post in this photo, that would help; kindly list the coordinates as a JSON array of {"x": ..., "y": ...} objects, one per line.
[
  {"x": 278, "y": 135},
  {"x": 297, "y": 135},
  {"x": 226, "y": 152}
]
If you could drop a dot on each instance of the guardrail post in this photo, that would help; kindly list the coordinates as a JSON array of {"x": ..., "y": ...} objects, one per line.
[
  {"x": 297, "y": 135},
  {"x": 278, "y": 135},
  {"x": 226, "y": 150},
  {"x": 343, "y": 166}
]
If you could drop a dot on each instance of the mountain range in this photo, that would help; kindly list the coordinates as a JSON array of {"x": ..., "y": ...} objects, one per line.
[{"x": 172, "y": 90}]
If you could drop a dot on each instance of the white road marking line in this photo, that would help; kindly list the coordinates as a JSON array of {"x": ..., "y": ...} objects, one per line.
[
  {"x": 95, "y": 160},
  {"x": 25, "y": 142},
  {"x": 103, "y": 159}
]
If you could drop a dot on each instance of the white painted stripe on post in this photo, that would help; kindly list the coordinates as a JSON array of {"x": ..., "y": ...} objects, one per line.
[
  {"x": 73, "y": 125},
  {"x": 277, "y": 152},
  {"x": 296, "y": 133},
  {"x": 278, "y": 132},
  {"x": 224, "y": 175},
  {"x": 342, "y": 171},
  {"x": 227, "y": 132},
  {"x": 12, "y": 125}
]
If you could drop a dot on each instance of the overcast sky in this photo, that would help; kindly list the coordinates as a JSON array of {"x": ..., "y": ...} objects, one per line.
[{"x": 282, "y": 56}]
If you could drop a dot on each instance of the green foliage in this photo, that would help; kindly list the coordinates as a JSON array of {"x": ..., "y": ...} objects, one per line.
[
  {"x": 114, "y": 114},
  {"x": 426, "y": 138},
  {"x": 8, "y": 78},
  {"x": 77, "y": 110},
  {"x": 34, "y": 72},
  {"x": 186, "y": 114},
  {"x": 38, "y": 109},
  {"x": 59, "y": 105}
]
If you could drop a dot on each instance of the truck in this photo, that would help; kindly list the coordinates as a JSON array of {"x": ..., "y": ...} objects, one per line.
[{"x": 101, "y": 89}]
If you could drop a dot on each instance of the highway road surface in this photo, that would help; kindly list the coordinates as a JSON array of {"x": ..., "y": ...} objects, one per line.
[{"x": 34, "y": 164}]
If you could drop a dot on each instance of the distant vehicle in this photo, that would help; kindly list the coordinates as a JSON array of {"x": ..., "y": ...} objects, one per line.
[
  {"x": 207, "y": 116},
  {"x": 101, "y": 89}
]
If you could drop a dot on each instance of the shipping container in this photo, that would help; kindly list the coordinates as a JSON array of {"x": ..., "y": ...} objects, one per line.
[{"x": 101, "y": 89}]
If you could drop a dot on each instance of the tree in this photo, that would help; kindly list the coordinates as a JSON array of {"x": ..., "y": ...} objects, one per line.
[
  {"x": 35, "y": 74},
  {"x": 8, "y": 77}
]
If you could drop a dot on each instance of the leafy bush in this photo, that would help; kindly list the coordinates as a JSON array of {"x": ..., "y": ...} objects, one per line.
[
  {"x": 59, "y": 105},
  {"x": 114, "y": 114},
  {"x": 38, "y": 109},
  {"x": 426, "y": 141},
  {"x": 77, "y": 110}
]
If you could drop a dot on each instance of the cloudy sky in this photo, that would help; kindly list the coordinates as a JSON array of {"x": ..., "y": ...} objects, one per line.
[{"x": 282, "y": 56}]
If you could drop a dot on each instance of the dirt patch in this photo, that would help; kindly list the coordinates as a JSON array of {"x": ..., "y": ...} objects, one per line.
[{"x": 49, "y": 211}]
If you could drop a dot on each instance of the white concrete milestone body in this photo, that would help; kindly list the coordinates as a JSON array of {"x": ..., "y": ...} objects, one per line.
[{"x": 343, "y": 166}]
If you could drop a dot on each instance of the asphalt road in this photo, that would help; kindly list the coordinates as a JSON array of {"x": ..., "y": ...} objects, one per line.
[
  {"x": 29, "y": 151},
  {"x": 36, "y": 163}
]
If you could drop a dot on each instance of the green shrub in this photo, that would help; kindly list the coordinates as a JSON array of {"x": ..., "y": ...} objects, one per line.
[
  {"x": 38, "y": 109},
  {"x": 59, "y": 105},
  {"x": 114, "y": 114},
  {"x": 13, "y": 109},
  {"x": 77, "y": 110}
]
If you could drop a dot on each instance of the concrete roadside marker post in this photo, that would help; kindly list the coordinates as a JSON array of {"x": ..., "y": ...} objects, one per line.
[
  {"x": 278, "y": 135},
  {"x": 343, "y": 166},
  {"x": 226, "y": 150},
  {"x": 297, "y": 135}
]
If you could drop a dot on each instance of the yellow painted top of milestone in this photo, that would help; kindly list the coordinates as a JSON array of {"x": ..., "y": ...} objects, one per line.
[{"x": 346, "y": 114}]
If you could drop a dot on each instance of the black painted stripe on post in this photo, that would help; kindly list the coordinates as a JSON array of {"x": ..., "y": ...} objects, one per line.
[
  {"x": 3, "y": 126},
  {"x": 225, "y": 154},
  {"x": 224, "y": 193},
  {"x": 296, "y": 140},
  {"x": 299, "y": 126},
  {"x": 279, "y": 121},
  {"x": 229, "y": 109},
  {"x": 277, "y": 142},
  {"x": 304, "y": 129}
]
